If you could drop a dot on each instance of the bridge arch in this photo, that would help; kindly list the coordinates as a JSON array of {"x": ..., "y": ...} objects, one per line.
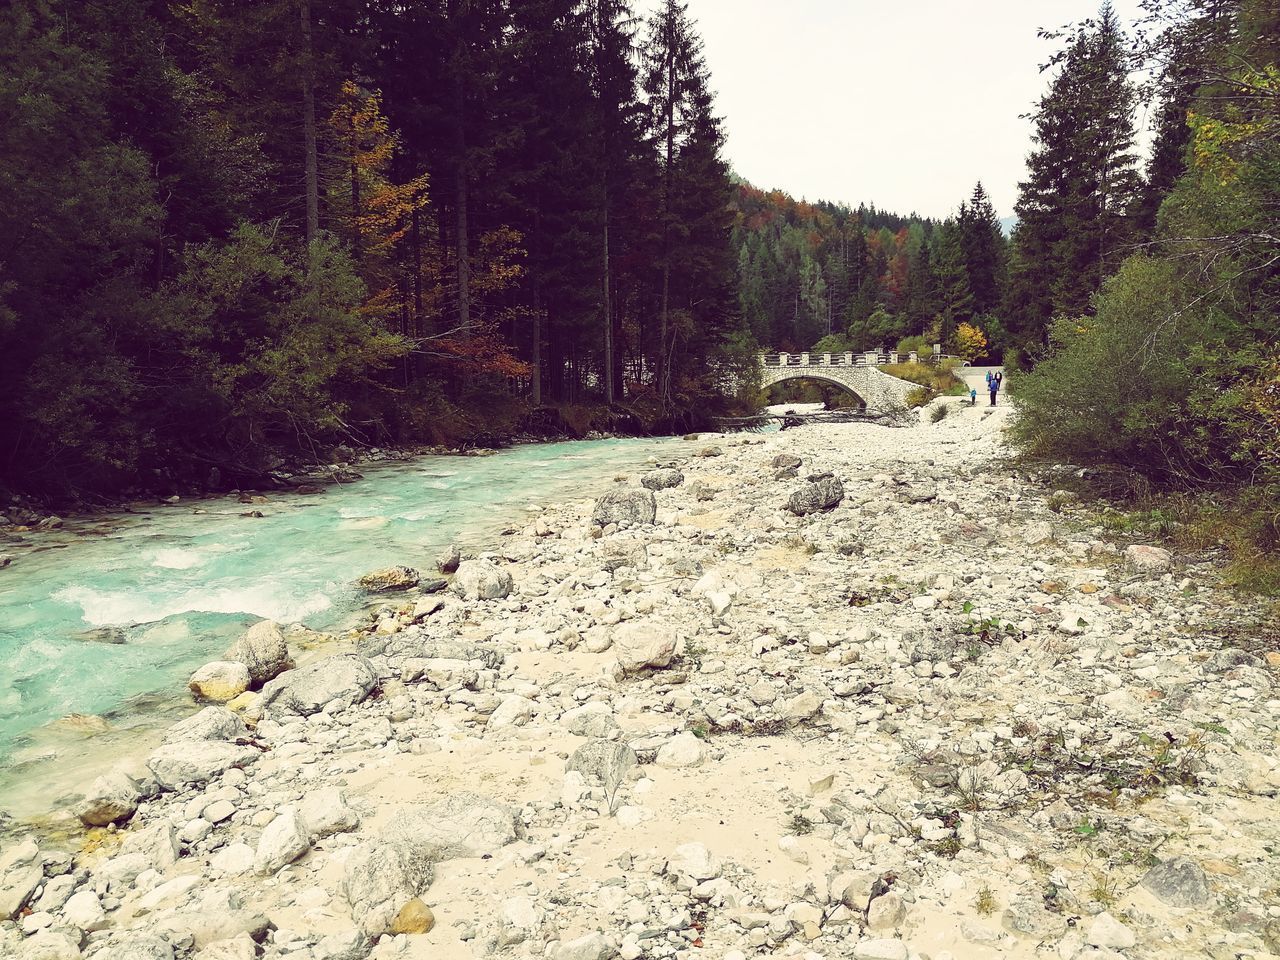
[
  {"x": 770, "y": 379},
  {"x": 880, "y": 392}
]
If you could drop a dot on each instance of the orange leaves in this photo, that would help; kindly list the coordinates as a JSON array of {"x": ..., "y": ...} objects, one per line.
[{"x": 483, "y": 353}]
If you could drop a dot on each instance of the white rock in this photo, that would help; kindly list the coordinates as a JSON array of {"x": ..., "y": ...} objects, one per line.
[
  {"x": 233, "y": 858},
  {"x": 334, "y": 682},
  {"x": 283, "y": 841},
  {"x": 641, "y": 644},
  {"x": 325, "y": 812},
  {"x": 220, "y": 681},
  {"x": 695, "y": 861},
  {"x": 84, "y": 910},
  {"x": 482, "y": 580},
  {"x": 513, "y": 711},
  {"x": 1106, "y": 931},
  {"x": 682, "y": 750},
  {"x": 197, "y": 762},
  {"x": 111, "y": 798},
  {"x": 263, "y": 650}
]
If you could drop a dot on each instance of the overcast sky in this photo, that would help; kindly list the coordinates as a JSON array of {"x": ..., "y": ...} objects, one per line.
[{"x": 901, "y": 103}]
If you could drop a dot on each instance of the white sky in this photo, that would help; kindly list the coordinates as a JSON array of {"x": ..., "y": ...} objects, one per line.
[{"x": 901, "y": 103}]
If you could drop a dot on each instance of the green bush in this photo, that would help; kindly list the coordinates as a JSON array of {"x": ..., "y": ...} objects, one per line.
[
  {"x": 939, "y": 412},
  {"x": 919, "y": 344},
  {"x": 1117, "y": 388}
]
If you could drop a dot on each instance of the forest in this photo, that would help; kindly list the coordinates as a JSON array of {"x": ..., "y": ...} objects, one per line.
[{"x": 234, "y": 236}]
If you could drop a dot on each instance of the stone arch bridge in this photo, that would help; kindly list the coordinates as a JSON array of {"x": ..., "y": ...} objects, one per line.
[{"x": 855, "y": 372}]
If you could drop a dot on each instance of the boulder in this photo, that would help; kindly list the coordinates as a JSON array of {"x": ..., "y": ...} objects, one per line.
[
  {"x": 284, "y": 840},
  {"x": 786, "y": 461},
  {"x": 17, "y": 886},
  {"x": 220, "y": 681},
  {"x": 264, "y": 650},
  {"x": 197, "y": 761},
  {"x": 390, "y": 579},
  {"x": 624, "y": 505},
  {"x": 325, "y": 812},
  {"x": 709, "y": 452},
  {"x": 824, "y": 494},
  {"x": 211, "y": 723},
  {"x": 482, "y": 580},
  {"x": 1148, "y": 559},
  {"x": 379, "y": 878},
  {"x": 461, "y": 825},
  {"x": 605, "y": 762},
  {"x": 333, "y": 682},
  {"x": 112, "y": 798},
  {"x": 662, "y": 479},
  {"x": 641, "y": 644},
  {"x": 1179, "y": 883}
]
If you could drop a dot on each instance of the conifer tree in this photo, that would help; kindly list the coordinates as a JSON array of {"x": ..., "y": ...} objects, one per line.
[
  {"x": 1072, "y": 208},
  {"x": 983, "y": 244}
]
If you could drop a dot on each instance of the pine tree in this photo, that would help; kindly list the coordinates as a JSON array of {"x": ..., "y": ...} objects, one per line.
[
  {"x": 693, "y": 197},
  {"x": 1072, "y": 208},
  {"x": 984, "y": 250},
  {"x": 956, "y": 303}
]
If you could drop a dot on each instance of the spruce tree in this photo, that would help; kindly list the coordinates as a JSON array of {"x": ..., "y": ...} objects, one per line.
[
  {"x": 984, "y": 250},
  {"x": 1072, "y": 208}
]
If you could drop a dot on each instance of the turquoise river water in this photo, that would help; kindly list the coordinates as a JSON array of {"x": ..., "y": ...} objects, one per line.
[{"x": 100, "y": 624}]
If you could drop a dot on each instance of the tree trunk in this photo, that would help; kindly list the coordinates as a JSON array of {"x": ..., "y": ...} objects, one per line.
[
  {"x": 607, "y": 302},
  {"x": 664, "y": 373},
  {"x": 355, "y": 214},
  {"x": 535, "y": 352},
  {"x": 309, "y": 123},
  {"x": 460, "y": 171}
]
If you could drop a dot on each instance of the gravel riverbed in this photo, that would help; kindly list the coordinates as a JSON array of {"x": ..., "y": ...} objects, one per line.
[{"x": 843, "y": 691}]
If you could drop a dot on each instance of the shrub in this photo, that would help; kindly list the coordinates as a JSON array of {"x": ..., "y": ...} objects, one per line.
[
  {"x": 918, "y": 396},
  {"x": 939, "y": 412}
]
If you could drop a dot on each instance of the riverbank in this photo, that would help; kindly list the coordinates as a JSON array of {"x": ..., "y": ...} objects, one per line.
[{"x": 922, "y": 706}]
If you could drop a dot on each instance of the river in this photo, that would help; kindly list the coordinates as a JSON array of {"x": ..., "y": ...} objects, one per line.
[{"x": 101, "y": 623}]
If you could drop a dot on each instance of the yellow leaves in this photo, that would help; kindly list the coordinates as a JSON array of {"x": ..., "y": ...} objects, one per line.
[
  {"x": 971, "y": 342},
  {"x": 1220, "y": 141}
]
